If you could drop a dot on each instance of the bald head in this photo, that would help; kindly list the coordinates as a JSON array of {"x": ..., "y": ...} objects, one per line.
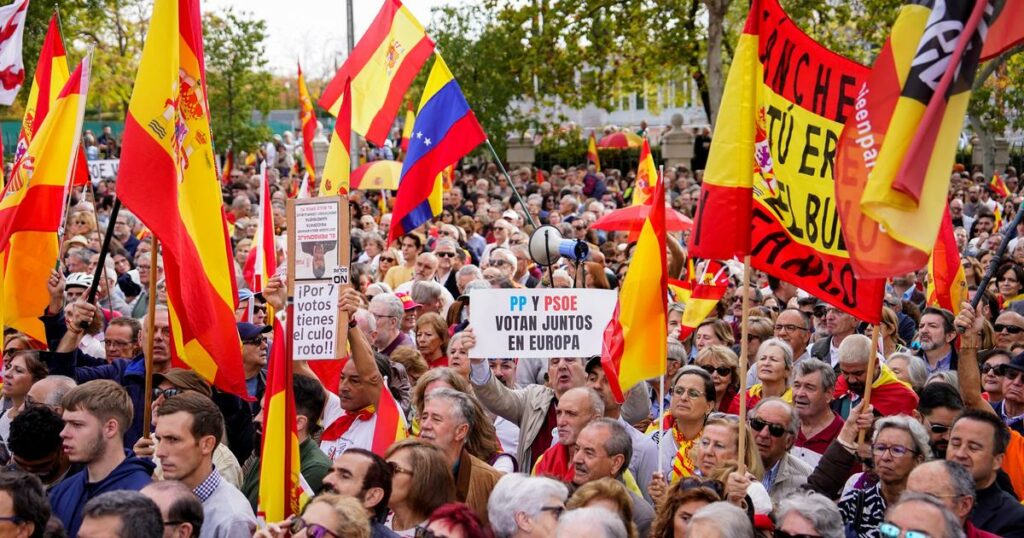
[
  {"x": 855, "y": 349},
  {"x": 51, "y": 389}
]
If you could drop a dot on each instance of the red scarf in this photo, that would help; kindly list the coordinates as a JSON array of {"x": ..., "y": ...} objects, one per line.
[
  {"x": 556, "y": 463},
  {"x": 344, "y": 422}
]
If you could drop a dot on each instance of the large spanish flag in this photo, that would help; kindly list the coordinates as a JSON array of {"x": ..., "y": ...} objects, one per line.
[
  {"x": 338, "y": 168},
  {"x": 168, "y": 179},
  {"x": 308, "y": 120},
  {"x": 52, "y": 73},
  {"x": 281, "y": 494},
  {"x": 381, "y": 67},
  {"x": 31, "y": 209},
  {"x": 947, "y": 283},
  {"x": 899, "y": 142},
  {"x": 768, "y": 188},
  {"x": 592, "y": 155},
  {"x": 636, "y": 339}
]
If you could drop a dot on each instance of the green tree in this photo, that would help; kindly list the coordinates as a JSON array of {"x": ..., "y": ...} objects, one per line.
[{"x": 238, "y": 81}]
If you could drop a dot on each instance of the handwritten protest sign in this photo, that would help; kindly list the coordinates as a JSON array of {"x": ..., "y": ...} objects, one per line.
[
  {"x": 539, "y": 323},
  {"x": 103, "y": 169},
  {"x": 318, "y": 246}
]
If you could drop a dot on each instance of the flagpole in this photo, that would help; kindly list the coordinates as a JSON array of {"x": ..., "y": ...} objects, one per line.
[
  {"x": 870, "y": 379},
  {"x": 744, "y": 330},
  {"x": 661, "y": 422},
  {"x": 997, "y": 259},
  {"x": 512, "y": 184},
  {"x": 150, "y": 327}
]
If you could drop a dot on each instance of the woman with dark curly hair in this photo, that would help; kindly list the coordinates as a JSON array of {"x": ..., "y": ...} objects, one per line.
[{"x": 684, "y": 498}]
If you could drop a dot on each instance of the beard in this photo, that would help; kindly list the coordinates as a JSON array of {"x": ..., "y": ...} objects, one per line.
[{"x": 94, "y": 449}]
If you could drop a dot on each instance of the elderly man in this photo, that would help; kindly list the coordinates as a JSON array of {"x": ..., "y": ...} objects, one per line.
[
  {"x": 523, "y": 261},
  {"x": 388, "y": 310},
  {"x": 1009, "y": 330},
  {"x": 446, "y": 251},
  {"x": 604, "y": 450},
  {"x": 447, "y": 420},
  {"x": 576, "y": 408},
  {"x": 920, "y": 515},
  {"x": 951, "y": 484},
  {"x": 424, "y": 268},
  {"x": 889, "y": 395},
  {"x": 839, "y": 325},
  {"x": 526, "y": 507},
  {"x": 774, "y": 424},
  {"x": 794, "y": 327},
  {"x": 813, "y": 385},
  {"x": 504, "y": 261}
]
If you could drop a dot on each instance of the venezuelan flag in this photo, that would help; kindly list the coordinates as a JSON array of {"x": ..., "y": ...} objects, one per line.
[
  {"x": 635, "y": 341},
  {"x": 445, "y": 131},
  {"x": 308, "y": 120},
  {"x": 338, "y": 168},
  {"x": 281, "y": 494},
  {"x": 592, "y": 151},
  {"x": 381, "y": 67},
  {"x": 31, "y": 209},
  {"x": 169, "y": 181}
]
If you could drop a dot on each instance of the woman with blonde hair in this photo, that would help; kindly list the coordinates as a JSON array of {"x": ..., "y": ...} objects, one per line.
[
  {"x": 891, "y": 341},
  {"x": 422, "y": 482},
  {"x": 387, "y": 259},
  {"x": 723, "y": 366},
  {"x": 432, "y": 339},
  {"x": 414, "y": 363},
  {"x": 774, "y": 364},
  {"x": 326, "y": 515},
  {"x": 609, "y": 494}
]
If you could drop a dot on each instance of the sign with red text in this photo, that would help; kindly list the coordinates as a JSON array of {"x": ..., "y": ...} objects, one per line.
[{"x": 539, "y": 323}]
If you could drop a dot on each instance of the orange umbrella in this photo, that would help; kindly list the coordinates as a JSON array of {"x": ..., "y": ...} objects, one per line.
[
  {"x": 620, "y": 140},
  {"x": 377, "y": 175}
]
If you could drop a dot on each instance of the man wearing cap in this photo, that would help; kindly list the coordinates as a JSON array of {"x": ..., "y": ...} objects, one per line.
[
  {"x": 254, "y": 359},
  {"x": 1011, "y": 408},
  {"x": 410, "y": 310}
]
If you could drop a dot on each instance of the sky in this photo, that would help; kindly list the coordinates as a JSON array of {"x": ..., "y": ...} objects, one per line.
[{"x": 313, "y": 31}]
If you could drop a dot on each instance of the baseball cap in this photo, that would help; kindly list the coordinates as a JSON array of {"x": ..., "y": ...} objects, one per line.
[
  {"x": 510, "y": 214},
  {"x": 248, "y": 331},
  {"x": 183, "y": 379},
  {"x": 407, "y": 302}
]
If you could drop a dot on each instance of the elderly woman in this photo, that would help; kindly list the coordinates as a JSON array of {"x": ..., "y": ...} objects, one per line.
[
  {"x": 909, "y": 369},
  {"x": 774, "y": 364},
  {"x": 808, "y": 514},
  {"x": 432, "y": 339},
  {"x": 683, "y": 500},
  {"x": 458, "y": 354},
  {"x": 723, "y": 366},
  {"x": 422, "y": 483},
  {"x": 326, "y": 515},
  {"x": 524, "y": 506},
  {"x": 693, "y": 397}
]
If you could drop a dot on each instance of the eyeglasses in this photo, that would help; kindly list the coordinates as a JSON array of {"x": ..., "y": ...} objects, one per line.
[
  {"x": 694, "y": 483},
  {"x": 445, "y": 254},
  {"x": 258, "y": 341},
  {"x": 398, "y": 469},
  {"x": 110, "y": 342},
  {"x": 692, "y": 394},
  {"x": 1012, "y": 329},
  {"x": 1011, "y": 374},
  {"x": 313, "y": 530},
  {"x": 499, "y": 263},
  {"x": 776, "y": 430},
  {"x": 994, "y": 369},
  {"x": 13, "y": 519},
  {"x": 888, "y": 530},
  {"x": 556, "y": 511},
  {"x": 720, "y": 370},
  {"x": 895, "y": 451},
  {"x": 783, "y": 534},
  {"x": 166, "y": 393},
  {"x": 788, "y": 328}
]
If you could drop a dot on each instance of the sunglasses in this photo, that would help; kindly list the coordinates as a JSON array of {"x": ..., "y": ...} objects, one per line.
[
  {"x": 445, "y": 254},
  {"x": 888, "y": 530},
  {"x": 389, "y": 260},
  {"x": 1011, "y": 374},
  {"x": 166, "y": 393},
  {"x": 720, "y": 370},
  {"x": 939, "y": 429},
  {"x": 1012, "y": 329},
  {"x": 776, "y": 430},
  {"x": 312, "y": 529},
  {"x": 259, "y": 340},
  {"x": 994, "y": 369}
]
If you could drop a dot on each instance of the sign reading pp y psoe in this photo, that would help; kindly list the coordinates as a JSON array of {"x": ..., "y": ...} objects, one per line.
[{"x": 539, "y": 323}]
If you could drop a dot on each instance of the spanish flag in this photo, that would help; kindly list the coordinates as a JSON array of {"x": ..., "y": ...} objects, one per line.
[
  {"x": 308, "y": 120},
  {"x": 338, "y": 168},
  {"x": 702, "y": 301},
  {"x": 391, "y": 425},
  {"x": 446, "y": 130},
  {"x": 998, "y": 186},
  {"x": 947, "y": 287},
  {"x": 592, "y": 152},
  {"x": 635, "y": 341},
  {"x": 229, "y": 165},
  {"x": 281, "y": 493},
  {"x": 381, "y": 67},
  {"x": 410, "y": 120},
  {"x": 52, "y": 73},
  {"x": 169, "y": 181},
  {"x": 646, "y": 176},
  {"x": 31, "y": 209},
  {"x": 261, "y": 263},
  {"x": 898, "y": 144}
]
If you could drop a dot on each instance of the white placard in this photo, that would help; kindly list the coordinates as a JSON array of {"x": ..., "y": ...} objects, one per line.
[
  {"x": 316, "y": 239},
  {"x": 539, "y": 323},
  {"x": 316, "y": 320},
  {"x": 105, "y": 168}
]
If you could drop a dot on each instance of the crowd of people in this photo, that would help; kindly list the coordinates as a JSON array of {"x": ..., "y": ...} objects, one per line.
[{"x": 513, "y": 447}]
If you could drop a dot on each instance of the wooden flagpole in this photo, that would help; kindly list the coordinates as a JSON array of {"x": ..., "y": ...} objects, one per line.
[
  {"x": 150, "y": 327},
  {"x": 870, "y": 379},
  {"x": 743, "y": 364}
]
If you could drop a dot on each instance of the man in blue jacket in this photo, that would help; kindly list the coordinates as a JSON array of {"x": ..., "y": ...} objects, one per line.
[{"x": 96, "y": 416}]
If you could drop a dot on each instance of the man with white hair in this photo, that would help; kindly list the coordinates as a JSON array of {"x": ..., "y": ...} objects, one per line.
[
  {"x": 467, "y": 274},
  {"x": 447, "y": 250},
  {"x": 591, "y": 522},
  {"x": 502, "y": 231},
  {"x": 576, "y": 408},
  {"x": 526, "y": 506},
  {"x": 889, "y": 395},
  {"x": 387, "y": 310},
  {"x": 504, "y": 261}
]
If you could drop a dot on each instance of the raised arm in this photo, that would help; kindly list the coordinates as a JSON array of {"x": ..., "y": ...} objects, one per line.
[
  {"x": 362, "y": 353},
  {"x": 967, "y": 368}
]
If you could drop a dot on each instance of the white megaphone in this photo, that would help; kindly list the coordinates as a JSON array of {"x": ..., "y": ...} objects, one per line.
[{"x": 547, "y": 245}]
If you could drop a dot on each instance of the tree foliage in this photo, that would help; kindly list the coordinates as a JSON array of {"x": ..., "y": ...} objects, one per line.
[{"x": 237, "y": 78}]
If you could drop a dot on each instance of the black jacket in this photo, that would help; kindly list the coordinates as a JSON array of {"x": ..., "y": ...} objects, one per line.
[{"x": 998, "y": 512}]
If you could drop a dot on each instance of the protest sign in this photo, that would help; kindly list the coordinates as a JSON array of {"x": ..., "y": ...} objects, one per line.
[
  {"x": 539, "y": 323},
  {"x": 101, "y": 169},
  {"x": 318, "y": 246}
]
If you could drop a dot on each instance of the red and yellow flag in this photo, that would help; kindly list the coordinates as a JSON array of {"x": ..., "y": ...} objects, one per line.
[
  {"x": 646, "y": 176},
  {"x": 52, "y": 73},
  {"x": 380, "y": 67},
  {"x": 635, "y": 341},
  {"x": 410, "y": 120},
  {"x": 31, "y": 209},
  {"x": 391, "y": 425},
  {"x": 947, "y": 287},
  {"x": 338, "y": 168},
  {"x": 308, "y": 120},
  {"x": 998, "y": 186},
  {"x": 592, "y": 152},
  {"x": 768, "y": 188},
  {"x": 261, "y": 263},
  {"x": 702, "y": 300},
  {"x": 281, "y": 494},
  {"x": 900, "y": 136},
  {"x": 169, "y": 181}
]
